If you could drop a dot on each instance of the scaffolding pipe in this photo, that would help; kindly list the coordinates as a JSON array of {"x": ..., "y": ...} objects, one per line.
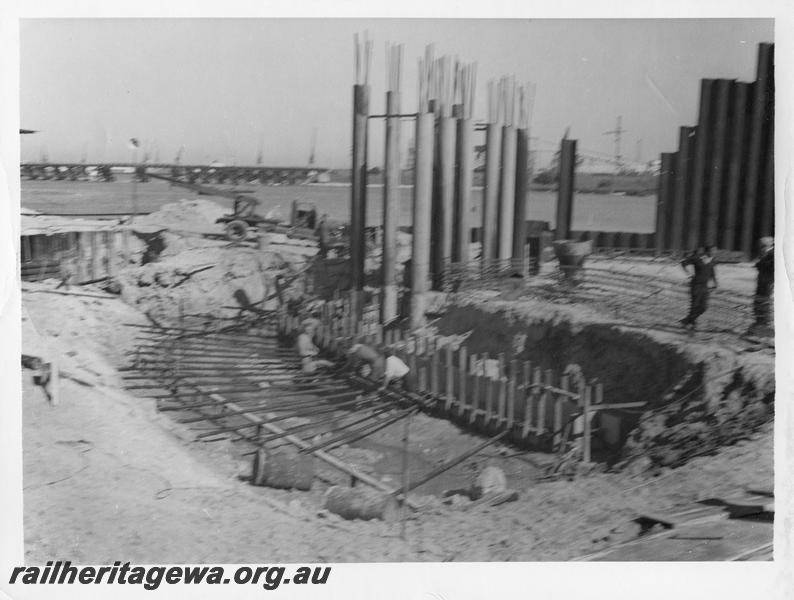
[{"x": 490, "y": 197}]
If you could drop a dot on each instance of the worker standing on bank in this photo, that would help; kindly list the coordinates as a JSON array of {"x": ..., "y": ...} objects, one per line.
[
  {"x": 323, "y": 236},
  {"x": 764, "y": 287},
  {"x": 703, "y": 272}
]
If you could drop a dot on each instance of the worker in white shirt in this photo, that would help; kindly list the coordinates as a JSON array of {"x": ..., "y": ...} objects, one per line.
[{"x": 372, "y": 364}]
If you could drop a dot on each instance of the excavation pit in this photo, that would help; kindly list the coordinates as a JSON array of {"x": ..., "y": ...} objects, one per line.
[{"x": 693, "y": 399}]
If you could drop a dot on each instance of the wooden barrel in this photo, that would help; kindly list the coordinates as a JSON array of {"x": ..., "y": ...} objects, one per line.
[
  {"x": 284, "y": 468},
  {"x": 361, "y": 503}
]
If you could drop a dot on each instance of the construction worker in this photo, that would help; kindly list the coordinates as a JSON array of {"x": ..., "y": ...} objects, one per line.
[
  {"x": 323, "y": 236},
  {"x": 764, "y": 287},
  {"x": 372, "y": 364},
  {"x": 702, "y": 263},
  {"x": 395, "y": 371},
  {"x": 308, "y": 351},
  {"x": 367, "y": 361}
]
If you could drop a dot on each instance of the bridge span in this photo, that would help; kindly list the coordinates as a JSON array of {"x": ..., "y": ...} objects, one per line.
[{"x": 63, "y": 171}]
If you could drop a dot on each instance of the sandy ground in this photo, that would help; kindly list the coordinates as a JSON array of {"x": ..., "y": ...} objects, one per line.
[{"x": 106, "y": 477}]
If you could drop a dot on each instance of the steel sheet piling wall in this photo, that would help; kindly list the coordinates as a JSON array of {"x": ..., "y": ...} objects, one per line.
[
  {"x": 358, "y": 204},
  {"x": 565, "y": 191},
  {"x": 391, "y": 208},
  {"x": 718, "y": 143},
  {"x": 520, "y": 197},
  {"x": 490, "y": 197},
  {"x": 702, "y": 139},
  {"x": 507, "y": 193},
  {"x": 664, "y": 200},
  {"x": 766, "y": 212},
  {"x": 422, "y": 209},
  {"x": 736, "y": 164},
  {"x": 754, "y": 170},
  {"x": 464, "y": 174},
  {"x": 681, "y": 195}
]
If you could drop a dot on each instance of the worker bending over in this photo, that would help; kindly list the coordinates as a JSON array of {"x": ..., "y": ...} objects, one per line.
[
  {"x": 308, "y": 351},
  {"x": 373, "y": 365}
]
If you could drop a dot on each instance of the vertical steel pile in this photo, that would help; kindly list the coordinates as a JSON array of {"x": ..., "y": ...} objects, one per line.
[
  {"x": 358, "y": 187},
  {"x": 423, "y": 195},
  {"x": 444, "y": 188},
  {"x": 562, "y": 230},
  {"x": 391, "y": 184},
  {"x": 665, "y": 204},
  {"x": 507, "y": 188},
  {"x": 464, "y": 158},
  {"x": 724, "y": 170},
  {"x": 490, "y": 198},
  {"x": 526, "y": 100}
]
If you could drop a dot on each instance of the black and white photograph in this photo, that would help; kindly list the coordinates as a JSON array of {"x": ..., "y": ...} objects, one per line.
[{"x": 311, "y": 294}]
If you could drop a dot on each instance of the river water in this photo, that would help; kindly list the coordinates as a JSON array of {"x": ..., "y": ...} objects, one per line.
[{"x": 592, "y": 212}]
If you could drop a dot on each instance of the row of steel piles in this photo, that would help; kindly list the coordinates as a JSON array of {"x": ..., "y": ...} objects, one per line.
[
  {"x": 718, "y": 188},
  {"x": 503, "y": 210},
  {"x": 443, "y": 172},
  {"x": 443, "y": 168}
]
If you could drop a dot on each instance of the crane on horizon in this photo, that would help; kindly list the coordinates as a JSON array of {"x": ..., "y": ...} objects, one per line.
[{"x": 618, "y": 133}]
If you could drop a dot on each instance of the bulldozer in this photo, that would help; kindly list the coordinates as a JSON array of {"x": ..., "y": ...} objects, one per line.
[{"x": 243, "y": 218}]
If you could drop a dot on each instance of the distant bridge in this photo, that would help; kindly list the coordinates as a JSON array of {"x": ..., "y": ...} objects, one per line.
[{"x": 63, "y": 171}]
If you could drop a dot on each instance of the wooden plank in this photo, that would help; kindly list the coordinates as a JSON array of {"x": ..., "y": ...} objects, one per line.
[
  {"x": 501, "y": 401},
  {"x": 475, "y": 396},
  {"x": 489, "y": 390},
  {"x": 511, "y": 394},
  {"x": 82, "y": 266},
  {"x": 434, "y": 372},
  {"x": 463, "y": 374},
  {"x": 97, "y": 256},
  {"x": 586, "y": 413},
  {"x": 449, "y": 376},
  {"x": 542, "y": 401},
  {"x": 559, "y": 401}
]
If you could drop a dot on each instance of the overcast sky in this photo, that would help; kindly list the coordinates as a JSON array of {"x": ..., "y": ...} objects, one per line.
[{"x": 220, "y": 88}]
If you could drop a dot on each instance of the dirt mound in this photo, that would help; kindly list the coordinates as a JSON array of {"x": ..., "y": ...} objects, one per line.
[
  {"x": 195, "y": 216},
  {"x": 205, "y": 281}
]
